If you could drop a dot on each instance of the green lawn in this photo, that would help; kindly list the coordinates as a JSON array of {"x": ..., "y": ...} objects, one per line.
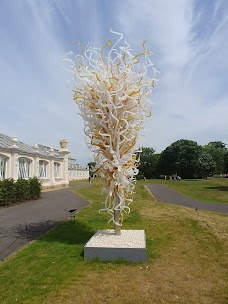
[
  {"x": 187, "y": 255},
  {"x": 79, "y": 182},
  {"x": 211, "y": 190}
]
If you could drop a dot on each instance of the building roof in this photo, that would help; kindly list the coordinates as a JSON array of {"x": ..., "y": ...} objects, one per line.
[
  {"x": 46, "y": 150},
  {"x": 7, "y": 142}
]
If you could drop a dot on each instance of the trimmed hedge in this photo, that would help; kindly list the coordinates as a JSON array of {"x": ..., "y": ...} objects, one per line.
[{"x": 19, "y": 191}]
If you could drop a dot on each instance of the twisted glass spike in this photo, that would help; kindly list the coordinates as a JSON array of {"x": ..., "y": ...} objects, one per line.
[{"x": 112, "y": 92}]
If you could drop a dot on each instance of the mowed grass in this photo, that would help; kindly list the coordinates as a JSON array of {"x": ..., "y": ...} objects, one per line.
[
  {"x": 79, "y": 182},
  {"x": 187, "y": 259},
  {"x": 211, "y": 190}
]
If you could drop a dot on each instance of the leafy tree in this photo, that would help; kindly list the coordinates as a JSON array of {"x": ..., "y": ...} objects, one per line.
[
  {"x": 91, "y": 167},
  {"x": 181, "y": 158},
  {"x": 206, "y": 165},
  {"x": 148, "y": 163},
  {"x": 217, "y": 150},
  {"x": 217, "y": 144},
  {"x": 226, "y": 162}
]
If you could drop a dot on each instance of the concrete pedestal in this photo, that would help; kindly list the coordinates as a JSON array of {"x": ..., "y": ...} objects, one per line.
[{"x": 105, "y": 245}]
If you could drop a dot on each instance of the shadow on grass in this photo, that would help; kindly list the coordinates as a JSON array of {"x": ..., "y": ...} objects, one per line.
[
  {"x": 69, "y": 232},
  {"x": 218, "y": 188}
]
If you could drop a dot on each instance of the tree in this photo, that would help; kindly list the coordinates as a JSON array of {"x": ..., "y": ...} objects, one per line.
[
  {"x": 91, "y": 168},
  {"x": 206, "y": 165},
  {"x": 217, "y": 144},
  {"x": 180, "y": 158},
  {"x": 226, "y": 162},
  {"x": 148, "y": 163},
  {"x": 217, "y": 150}
]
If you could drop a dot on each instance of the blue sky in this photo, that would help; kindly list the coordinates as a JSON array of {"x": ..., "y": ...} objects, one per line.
[{"x": 189, "y": 43}]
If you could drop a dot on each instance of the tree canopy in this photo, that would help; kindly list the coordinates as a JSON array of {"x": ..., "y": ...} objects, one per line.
[
  {"x": 148, "y": 163},
  {"x": 185, "y": 158},
  {"x": 217, "y": 144},
  {"x": 181, "y": 158},
  {"x": 226, "y": 162},
  {"x": 91, "y": 167},
  {"x": 205, "y": 165},
  {"x": 217, "y": 150}
]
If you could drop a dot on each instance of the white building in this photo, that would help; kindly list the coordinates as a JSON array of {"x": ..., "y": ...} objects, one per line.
[
  {"x": 53, "y": 167},
  {"x": 76, "y": 172}
]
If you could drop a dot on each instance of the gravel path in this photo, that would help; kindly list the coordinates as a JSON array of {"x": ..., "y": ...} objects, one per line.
[
  {"x": 166, "y": 195},
  {"x": 24, "y": 222}
]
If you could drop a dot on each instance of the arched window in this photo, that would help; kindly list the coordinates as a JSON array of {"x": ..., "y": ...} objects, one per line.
[
  {"x": 43, "y": 169},
  {"x": 2, "y": 166},
  {"x": 56, "y": 169},
  {"x": 24, "y": 167}
]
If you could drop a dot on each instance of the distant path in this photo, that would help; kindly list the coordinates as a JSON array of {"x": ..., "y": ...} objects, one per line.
[
  {"x": 166, "y": 195},
  {"x": 38, "y": 215}
]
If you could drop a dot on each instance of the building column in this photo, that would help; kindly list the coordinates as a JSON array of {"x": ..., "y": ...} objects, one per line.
[
  {"x": 14, "y": 165},
  {"x": 63, "y": 153},
  {"x": 35, "y": 169}
]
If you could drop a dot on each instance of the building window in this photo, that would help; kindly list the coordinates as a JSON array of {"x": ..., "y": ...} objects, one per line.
[
  {"x": 24, "y": 167},
  {"x": 2, "y": 167},
  {"x": 56, "y": 169},
  {"x": 43, "y": 169}
]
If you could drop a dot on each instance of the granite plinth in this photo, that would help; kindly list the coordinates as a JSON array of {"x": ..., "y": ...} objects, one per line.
[{"x": 105, "y": 245}]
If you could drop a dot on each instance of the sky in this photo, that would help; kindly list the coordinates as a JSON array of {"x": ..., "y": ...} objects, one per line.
[{"x": 188, "y": 40}]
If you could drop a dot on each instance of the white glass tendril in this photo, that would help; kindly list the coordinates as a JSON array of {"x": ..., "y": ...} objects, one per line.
[{"x": 112, "y": 93}]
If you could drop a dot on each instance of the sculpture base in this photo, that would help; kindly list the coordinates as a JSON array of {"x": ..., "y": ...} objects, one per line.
[{"x": 105, "y": 245}]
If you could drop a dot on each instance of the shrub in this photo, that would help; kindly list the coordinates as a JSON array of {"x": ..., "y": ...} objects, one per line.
[
  {"x": 22, "y": 190},
  {"x": 19, "y": 191},
  {"x": 35, "y": 187},
  {"x": 7, "y": 192}
]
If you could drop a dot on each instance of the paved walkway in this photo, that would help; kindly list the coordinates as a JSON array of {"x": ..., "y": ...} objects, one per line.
[
  {"x": 166, "y": 195},
  {"x": 38, "y": 216}
]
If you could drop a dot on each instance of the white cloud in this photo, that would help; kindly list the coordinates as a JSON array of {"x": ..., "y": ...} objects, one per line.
[
  {"x": 190, "y": 49},
  {"x": 35, "y": 101},
  {"x": 190, "y": 99}
]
